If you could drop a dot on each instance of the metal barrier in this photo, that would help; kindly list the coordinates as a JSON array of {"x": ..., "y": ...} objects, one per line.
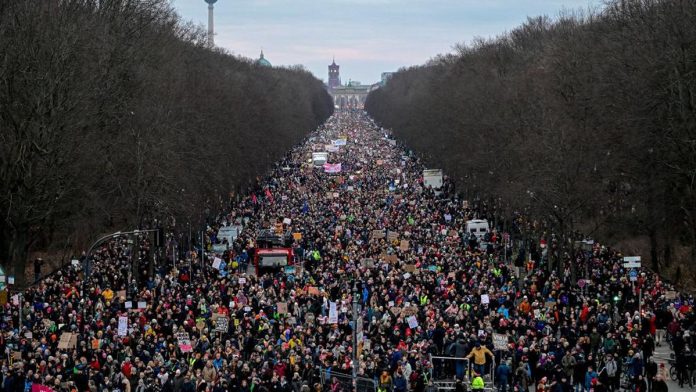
[
  {"x": 443, "y": 369},
  {"x": 443, "y": 372},
  {"x": 346, "y": 382}
]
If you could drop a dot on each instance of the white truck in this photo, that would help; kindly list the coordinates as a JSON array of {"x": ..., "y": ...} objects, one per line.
[
  {"x": 320, "y": 158},
  {"x": 477, "y": 227},
  {"x": 433, "y": 178}
]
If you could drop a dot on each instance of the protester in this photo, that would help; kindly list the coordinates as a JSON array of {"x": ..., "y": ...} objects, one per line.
[{"x": 369, "y": 233}]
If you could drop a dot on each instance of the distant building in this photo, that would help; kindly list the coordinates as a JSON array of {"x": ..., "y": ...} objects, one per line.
[
  {"x": 262, "y": 61},
  {"x": 334, "y": 77},
  {"x": 350, "y": 96}
]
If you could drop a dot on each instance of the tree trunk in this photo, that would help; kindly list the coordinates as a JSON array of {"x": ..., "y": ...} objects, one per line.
[
  {"x": 653, "y": 250},
  {"x": 16, "y": 265}
]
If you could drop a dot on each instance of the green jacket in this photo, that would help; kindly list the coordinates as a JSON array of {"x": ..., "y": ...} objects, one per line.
[{"x": 477, "y": 383}]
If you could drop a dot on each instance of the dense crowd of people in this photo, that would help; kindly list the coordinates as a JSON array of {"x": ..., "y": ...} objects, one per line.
[{"x": 369, "y": 234}]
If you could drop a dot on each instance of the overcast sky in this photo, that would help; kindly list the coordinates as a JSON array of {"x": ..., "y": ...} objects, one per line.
[{"x": 367, "y": 37}]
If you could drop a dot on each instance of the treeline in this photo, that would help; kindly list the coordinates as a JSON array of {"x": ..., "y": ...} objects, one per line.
[
  {"x": 586, "y": 122},
  {"x": 115, "y": 113}
]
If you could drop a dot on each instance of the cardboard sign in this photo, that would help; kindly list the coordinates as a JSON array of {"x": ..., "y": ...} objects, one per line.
[
  {"x": 312, "y": 290},
  {"x": 122, "y": 326},
  {"x": 217, "y": 262},
  {"x": 222, "y": 324},
  {"x": 67, "y": 341},
  {"x": 200, "y": 325},
  {"x": 378, "y": 234},
  {"x": 184, "y": 342},
  {"x": 409, "y": 268},
  {"x": 121, "y": 294},
  {"x": 391, "y": 259},
  {"x": 409, "y": 311},
  {"x": 404, "y": 245},
  {"x": 485, "y": 299},
  {"x": 282, "y": 307},
  {"x": 500, "y": 341},
  {"x": 392, "y": 236},
  {"x": 142, "y": 304}
]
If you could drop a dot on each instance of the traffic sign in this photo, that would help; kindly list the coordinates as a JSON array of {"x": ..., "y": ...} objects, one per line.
[
  {"x": 631, "y": 262},
  {"x": 633, "y": 275},
  {"x": 581, "y": 283}
]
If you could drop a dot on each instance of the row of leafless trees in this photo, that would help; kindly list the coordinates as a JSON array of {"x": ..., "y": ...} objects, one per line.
[
  {"x": 588, "y": 122},
  {"x": 115, "y": 113}
]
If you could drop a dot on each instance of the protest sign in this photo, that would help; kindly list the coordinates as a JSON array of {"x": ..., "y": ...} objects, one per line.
[
  {"x": 40, "y": 388},
  {"x": 485, "y": 299},
  {"x": 500, "y": 341},
  {"x": 332, "y": 168},
  {"x": 404, "y": 245},
  {"x": 378, "y": 234},
  {"x": 184, "y": 342},
  {"x": 333, "y": 313},
  {"x": 412, "y": 322},
  {"x": 122, "y": 326},
  {"x": 67, "y": 341},
  {"x": 409, "y": 268},
  {"x": 217, "y": 262},
  {"x": 222, "y": 323},
  {"x": 392, "y": 236},
  {"x": 409, "y": 311},
  {"x": 282, "y": 308}
]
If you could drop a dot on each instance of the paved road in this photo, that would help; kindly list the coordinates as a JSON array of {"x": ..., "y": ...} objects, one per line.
[{"x": 662, "y": 356}]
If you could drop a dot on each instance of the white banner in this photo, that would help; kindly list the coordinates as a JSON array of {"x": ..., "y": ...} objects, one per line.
[
  {"x": 333, "y": 313},
  {"x": 122, "y": 326}
]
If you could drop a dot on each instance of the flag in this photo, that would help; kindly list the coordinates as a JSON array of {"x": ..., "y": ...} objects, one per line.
[
  {"x": 253, "y": 198},
  {"x": 305, "y": 207},
  {"x": 269, "y": 196}
]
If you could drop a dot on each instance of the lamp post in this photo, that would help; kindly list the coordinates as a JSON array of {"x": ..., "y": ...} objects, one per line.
[{"x": 88, "y": 255}]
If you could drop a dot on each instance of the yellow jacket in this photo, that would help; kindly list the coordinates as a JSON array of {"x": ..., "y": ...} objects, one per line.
[{"x": 479, "y": 355}]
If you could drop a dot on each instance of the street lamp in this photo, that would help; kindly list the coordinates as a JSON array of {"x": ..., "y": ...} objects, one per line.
[{"x": 356, "y": 359}]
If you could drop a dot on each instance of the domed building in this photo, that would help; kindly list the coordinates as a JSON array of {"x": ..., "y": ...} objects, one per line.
[{"x": 263, "y": 62}]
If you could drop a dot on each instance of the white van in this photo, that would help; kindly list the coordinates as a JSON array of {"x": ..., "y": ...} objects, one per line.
[
  {"x": 477, "y": 227},
  {"x": 320, "y": 158},
  {"x": 433, "y": 178}
]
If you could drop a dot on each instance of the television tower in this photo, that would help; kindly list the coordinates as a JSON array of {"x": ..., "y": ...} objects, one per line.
[{"x": 211, "y": 28}]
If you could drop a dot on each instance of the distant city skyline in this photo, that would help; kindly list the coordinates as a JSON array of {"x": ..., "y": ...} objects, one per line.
[{"x": 366, "y": 37}]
